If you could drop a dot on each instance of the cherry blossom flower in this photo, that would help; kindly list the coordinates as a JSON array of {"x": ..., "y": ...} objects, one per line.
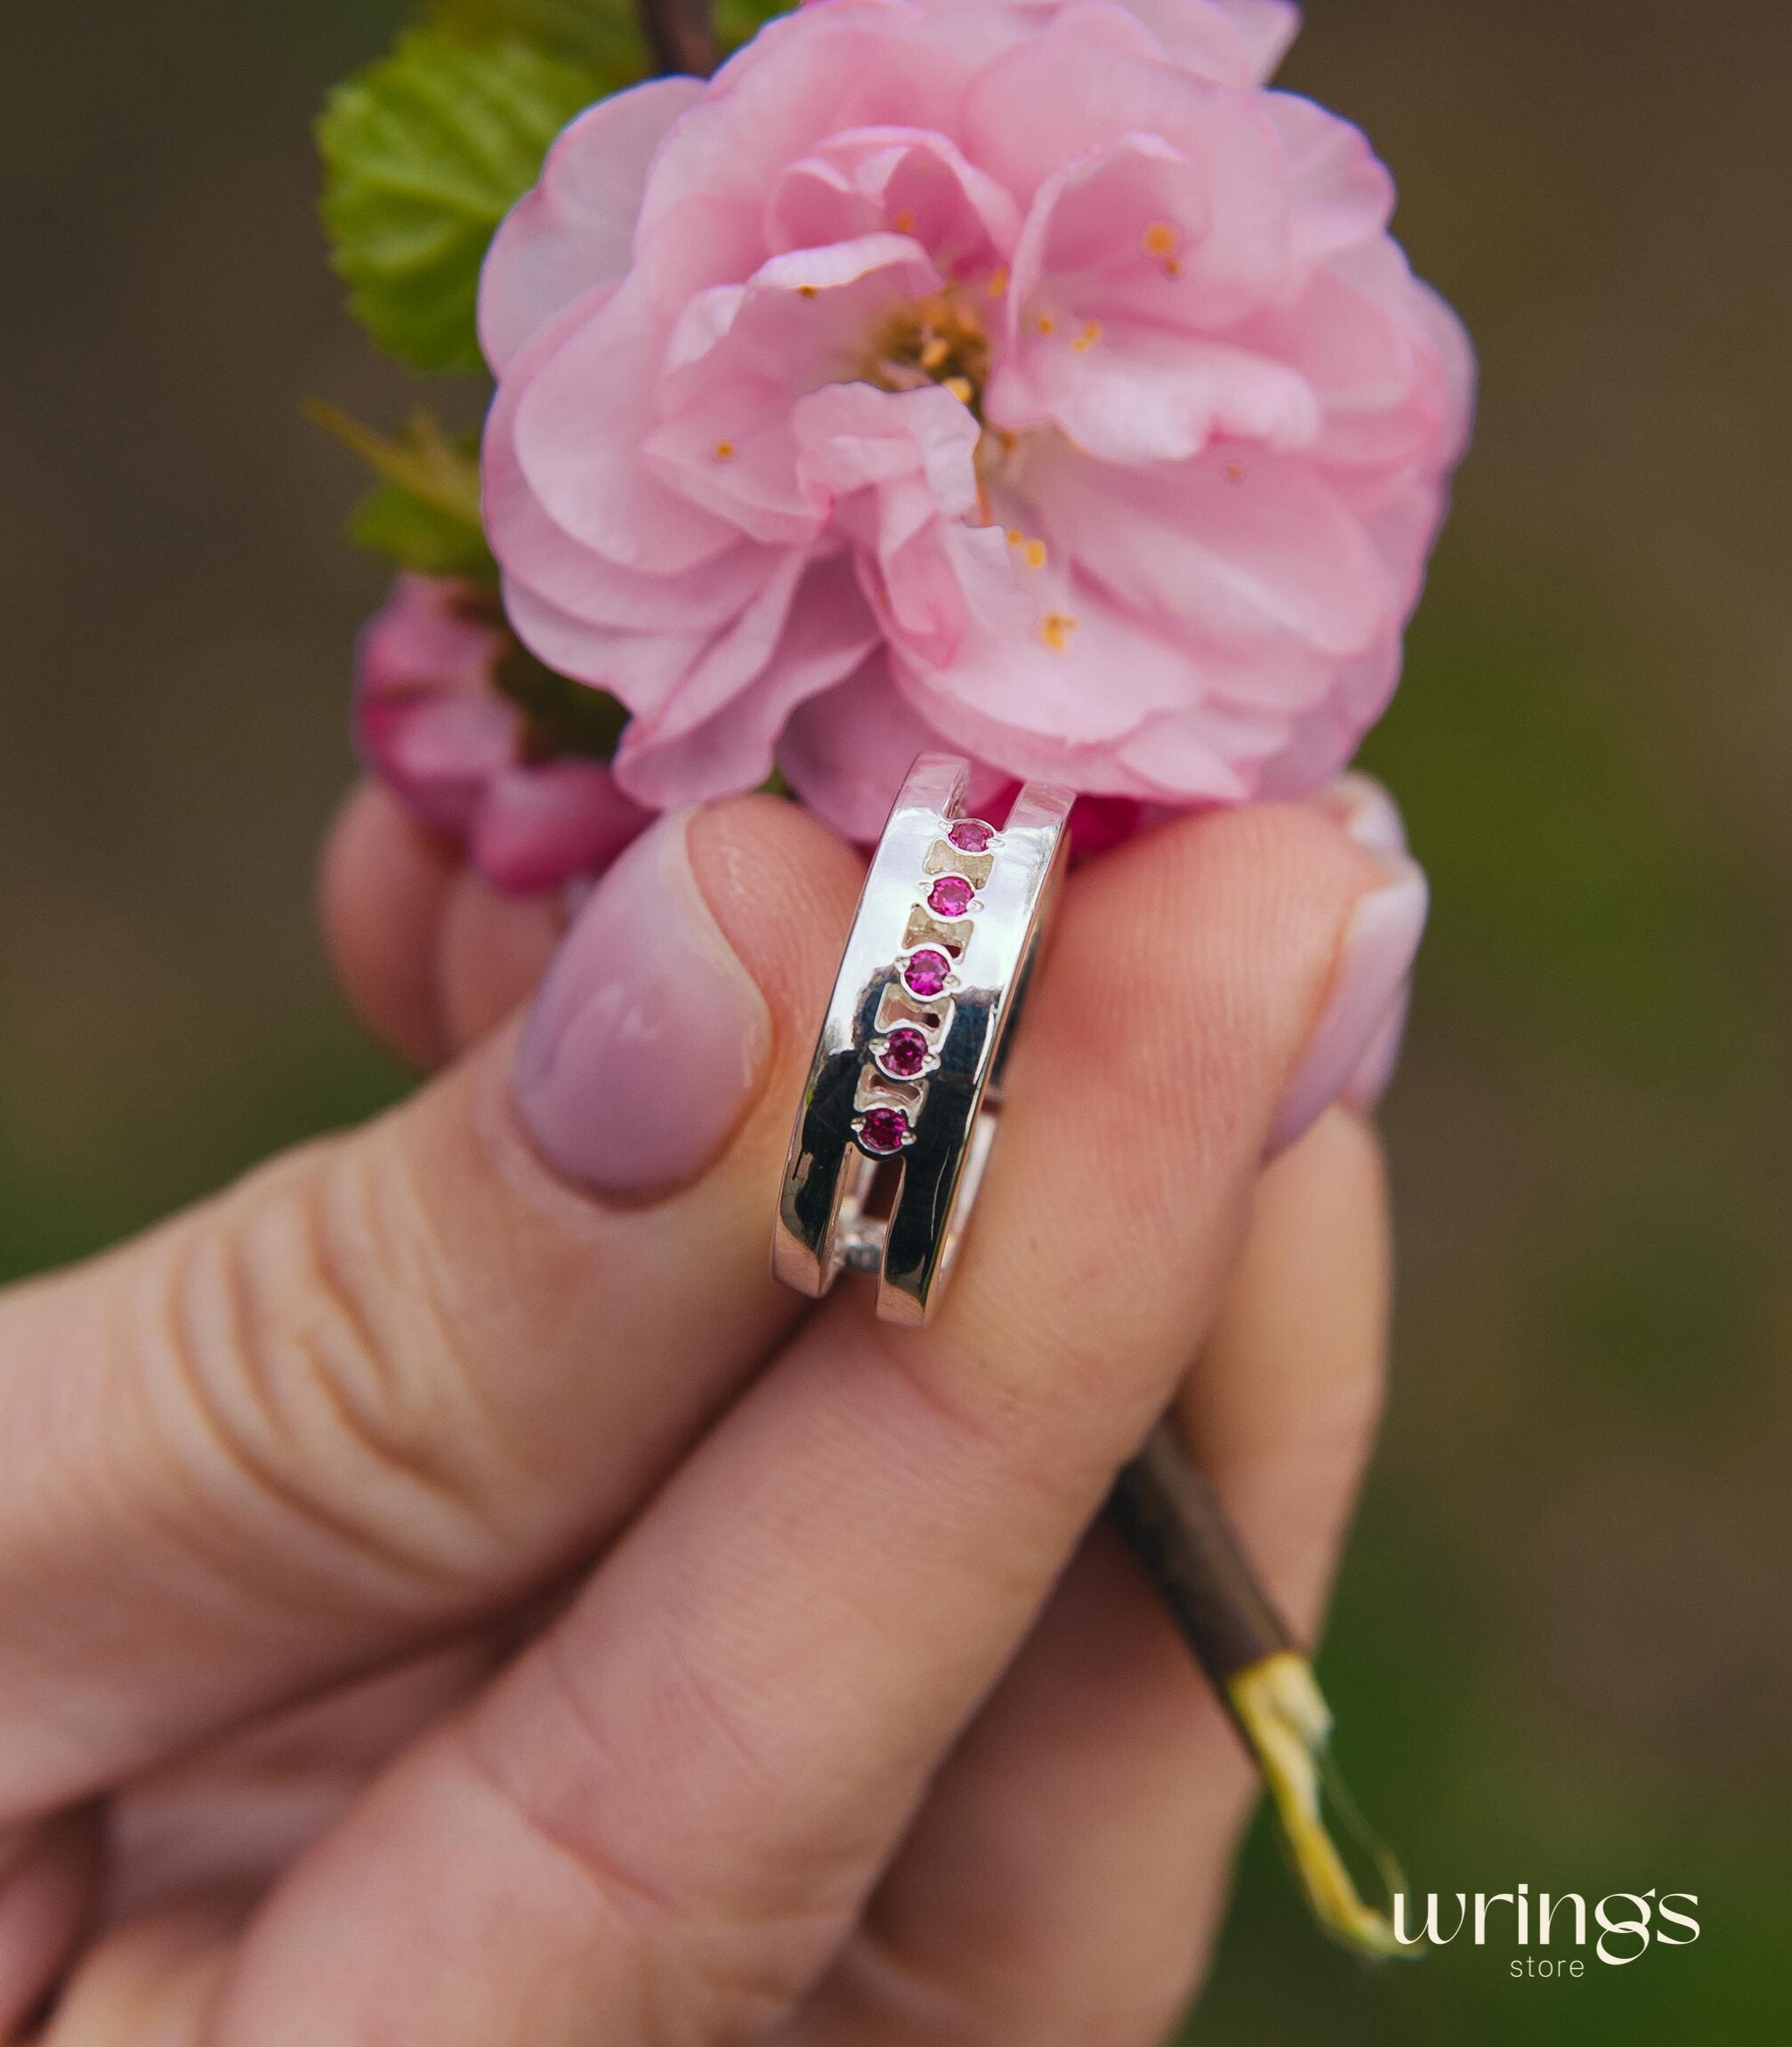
[{"x": 1024, "y": 378}]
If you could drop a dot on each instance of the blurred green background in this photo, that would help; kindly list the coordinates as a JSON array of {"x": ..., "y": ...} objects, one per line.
[{"x": 1562, "y": 1651}]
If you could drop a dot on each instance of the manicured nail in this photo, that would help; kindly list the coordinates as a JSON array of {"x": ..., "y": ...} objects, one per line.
[
  {"x": 1371, "y": 817},
  {"x": 649, "y": 1037},
  {"x": 1367, "y": 994},
  {"x": 1377, "y": 1067},
  {"x": 1366, "y": 810}
]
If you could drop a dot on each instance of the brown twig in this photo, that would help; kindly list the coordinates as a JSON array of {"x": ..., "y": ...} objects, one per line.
[
  {"x": 681, "y": 36},
  {"x": 1176, "y": 1527}
]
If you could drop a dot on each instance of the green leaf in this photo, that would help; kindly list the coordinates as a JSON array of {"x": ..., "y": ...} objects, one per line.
[
  {"x": 412, "y": 534},
  {"x": 425, "y": 514},
  {"x": 424, "y": 154},
  {"x": 602, "y": 37}
]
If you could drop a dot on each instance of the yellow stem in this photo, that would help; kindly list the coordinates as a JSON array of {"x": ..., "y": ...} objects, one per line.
[{"x": 1284, "y": 1716}]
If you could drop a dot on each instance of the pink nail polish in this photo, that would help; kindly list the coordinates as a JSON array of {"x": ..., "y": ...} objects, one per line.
[
  {"x": 1367, "y": 992},
  {"x": 649, "y": 1037}
]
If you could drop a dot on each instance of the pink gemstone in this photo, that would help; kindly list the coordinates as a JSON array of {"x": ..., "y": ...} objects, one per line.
[
  {"x": 883, "y": 1131},
  {"x": 951, "y": 896},
  {"x": 927, "y": 973},
  {"x": 905, "y": 1053},
  {"x": 971, "y": 836}
]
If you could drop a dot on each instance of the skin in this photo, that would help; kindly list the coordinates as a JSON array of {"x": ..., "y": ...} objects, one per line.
[{"x": 439, "y": 1605}]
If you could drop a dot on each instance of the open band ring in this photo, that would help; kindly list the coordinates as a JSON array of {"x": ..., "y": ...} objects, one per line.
[{"x": 907, "y": 1075}]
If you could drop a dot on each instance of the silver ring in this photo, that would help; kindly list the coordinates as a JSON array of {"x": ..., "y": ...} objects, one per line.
[{"x": 907, "y": 1070}]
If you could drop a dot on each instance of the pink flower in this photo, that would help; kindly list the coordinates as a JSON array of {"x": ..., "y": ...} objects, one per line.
[
  {"x": 432, "y": 722},
  {"x": 1022, "y": 377}
]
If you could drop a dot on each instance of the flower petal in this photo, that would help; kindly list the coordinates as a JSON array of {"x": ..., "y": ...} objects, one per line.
[
  {"x": 541, "y": 826},
  {"x": 846, "y": 751},
  {"x": 427, "y": 719},
  {"x": 895, "y": 180},
  {"x": 745, "y": 355},
  {"x": 579, "y": 423},
  {"x": 1130, "y": 394},
  {"x": 1343, "y": 192},
  {"x": 577, "y": 228},
  {"x": 805, "y": 76},
  {"x": 542, "y": 558},
  {"x": 898, "y": 470},
  {"x": 642, "y": 670},
  {"x": 1044, "y": 110},
  {"x": 718, "y": 735},
  {"x": 1237, "y": 547},
  {"x": 1233, "y": 42}
]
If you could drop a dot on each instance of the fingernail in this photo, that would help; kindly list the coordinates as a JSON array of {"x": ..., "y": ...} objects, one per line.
[
  {"x": 1369, "y": 1082},
  {"x": 1366, "y": 810},
  {"x": 1371, "y": 817},
  {"x": 1363, "y": 1009},
  {"x": 647, "y": 1039}
]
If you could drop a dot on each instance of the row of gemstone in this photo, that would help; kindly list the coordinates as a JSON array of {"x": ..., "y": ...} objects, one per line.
[{"x": 904, "y": 1052}]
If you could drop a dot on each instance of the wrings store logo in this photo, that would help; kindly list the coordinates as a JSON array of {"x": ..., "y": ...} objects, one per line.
[{"x": 1641, "y": 1919}]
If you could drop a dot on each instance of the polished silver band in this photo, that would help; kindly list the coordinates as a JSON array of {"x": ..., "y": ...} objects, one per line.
[{"x": 907, "y": 1069}]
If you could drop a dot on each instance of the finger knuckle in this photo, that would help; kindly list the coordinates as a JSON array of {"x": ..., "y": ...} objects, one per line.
[{"x": 306, "y": 1371}]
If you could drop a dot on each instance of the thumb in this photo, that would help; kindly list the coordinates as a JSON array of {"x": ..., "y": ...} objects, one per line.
[{"x": 395, "y": 1378}]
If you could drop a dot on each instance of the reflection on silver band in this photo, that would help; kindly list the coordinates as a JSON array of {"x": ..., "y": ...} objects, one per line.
[{"x": 907, "y": 1069}]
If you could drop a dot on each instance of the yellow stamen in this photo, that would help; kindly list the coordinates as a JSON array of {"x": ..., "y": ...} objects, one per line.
[
  {"x": 724, "y": 451},
  {"x": 998, "y": 282},
  {"x": 1159, "y": 239},
  {"x": 1015, "y": 535},
  {"x": 1044, "y": 323},
  {"x": 1056, "y": 630},
  {"x": 1035, "y": 553},
  {"x": 938, "y": 339},
  {"x": 1087, "y": 339}
]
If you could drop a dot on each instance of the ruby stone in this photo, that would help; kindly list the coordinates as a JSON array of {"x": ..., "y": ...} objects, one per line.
[
  {"x": 970, "y": 834},
  {"x": 952, "y": 896},
  {"x": 883, "y": 1131},
  {"x": 905, "y": 1053},
  {"x": 927, "y": 973}
]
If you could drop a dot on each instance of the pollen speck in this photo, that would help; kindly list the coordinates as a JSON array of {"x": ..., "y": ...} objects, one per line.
[
  {"x": 1159, "y": 239},
  {"x": 1035, "y": 553},
  {"x": 1233, "y": 472},
  {"x": 1056, "y": 629},
  {"x": 724, "y": 451},
  {"x": 1087, "y": 339},
  {"x": 998, "y": 282},
  {"x": 805, "y": 291},
  {"x": 1015, "y": 535},
  {"x": 905, "y": 221},
  {"x": 961, "y": 388},
  {"x": 1044, "y": 323}
]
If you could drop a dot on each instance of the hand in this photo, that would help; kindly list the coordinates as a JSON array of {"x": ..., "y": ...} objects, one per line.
[{"x": 450, "y": 1595}]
